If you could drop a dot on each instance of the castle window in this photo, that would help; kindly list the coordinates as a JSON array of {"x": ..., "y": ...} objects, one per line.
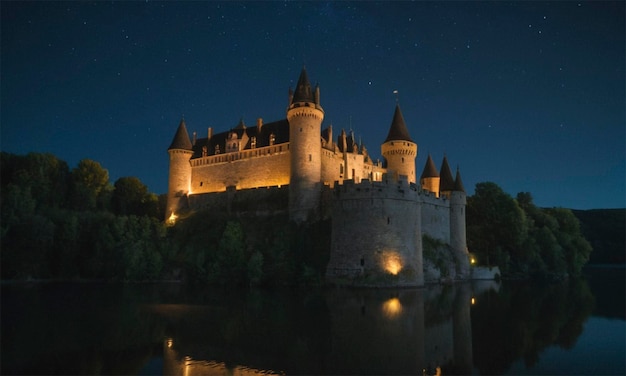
[
  {"x": 217, "y": 149},
  {"x": 310, "y": 157},
  {"x": 388, "y": 220},
  {"x": 253, "y": 143},
  {"x": 341, "y": 169},
  {"x": 272, "y": 139},
  {"x": 201, "y": 184},
  {"x": 402, "y": 159}
]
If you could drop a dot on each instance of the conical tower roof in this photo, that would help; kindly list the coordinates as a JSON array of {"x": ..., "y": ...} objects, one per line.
[
  {"x": 446, "y": 183},
  {"x": 398, "y": 130},
  {"x": 430, "y": 171},
  {"x": 303, "y": 91},
  {"x": 458, "y": 183},
  {"x": 181, "y": 138}
]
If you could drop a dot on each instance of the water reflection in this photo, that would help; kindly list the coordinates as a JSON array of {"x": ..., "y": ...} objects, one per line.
[
  {"x": 153, "y": 329},
  {"x": 421, "y": 331}
]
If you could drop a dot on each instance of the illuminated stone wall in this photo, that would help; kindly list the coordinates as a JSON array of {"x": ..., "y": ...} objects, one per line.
[
  {"x": 243, "y": 170},
  {"x": 376, "y": 232},
  {"x": 400, "y": 156},
  {"x": 178, "y": 180}
]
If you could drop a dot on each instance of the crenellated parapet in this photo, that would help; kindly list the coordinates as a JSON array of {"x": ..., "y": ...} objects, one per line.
[{"x": 391, "y": 189}]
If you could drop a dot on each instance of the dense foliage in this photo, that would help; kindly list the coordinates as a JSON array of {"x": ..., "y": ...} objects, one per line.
[
  {"x": 58, "y": 223},
  {"x": 521, "y": 238}
]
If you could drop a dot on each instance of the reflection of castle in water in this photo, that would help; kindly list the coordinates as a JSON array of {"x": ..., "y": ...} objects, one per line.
[{"x": 425, "y": 331}]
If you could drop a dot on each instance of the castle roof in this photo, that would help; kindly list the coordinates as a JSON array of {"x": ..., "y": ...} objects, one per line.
[
  {"x": 181, "y": 138},
  {"x": 398, "y": 129},
  {"x": 446, "y": 183},
  {"x": 280, "y": 130},
  {"x": 430, "y": 171},
  {"x": 458, "y": 183},
  {"x": 303, "y": 91}
]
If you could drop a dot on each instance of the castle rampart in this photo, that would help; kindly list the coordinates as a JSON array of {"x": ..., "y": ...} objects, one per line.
[
  {"x": 435, "y": 216},
  {"x": 376, "y": 232}
]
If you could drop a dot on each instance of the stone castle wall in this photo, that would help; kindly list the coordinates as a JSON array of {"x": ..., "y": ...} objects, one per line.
[
  {"x": 255, "y": 201},
  {"x": 435, "y": 216},
  {"x": 376, "y": 231},
  {"x": 263, "y": 167}
]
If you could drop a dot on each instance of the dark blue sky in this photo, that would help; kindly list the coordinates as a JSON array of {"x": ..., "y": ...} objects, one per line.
[{"x": 529, "y": 95}]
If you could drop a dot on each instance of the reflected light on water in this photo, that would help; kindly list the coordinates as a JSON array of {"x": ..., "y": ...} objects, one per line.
[{"x": 392, "y": 308}]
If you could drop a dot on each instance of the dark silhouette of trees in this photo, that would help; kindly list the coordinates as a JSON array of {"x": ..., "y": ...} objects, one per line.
[
  {"x": 57, "y": 223},
  {"x": 521, "y": 238}
]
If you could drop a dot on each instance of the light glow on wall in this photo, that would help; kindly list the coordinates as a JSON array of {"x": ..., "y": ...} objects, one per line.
[
  {"x": 392, "y": 308},
  {"x": 392, "y": 262},
  {"x": 172, "y": 219}
]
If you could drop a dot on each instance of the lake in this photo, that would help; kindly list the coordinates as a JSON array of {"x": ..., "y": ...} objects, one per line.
[{"x": 483, "y": 327}]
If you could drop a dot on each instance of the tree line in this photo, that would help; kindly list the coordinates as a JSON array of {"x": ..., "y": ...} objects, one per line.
[{"x": 522, "y": 239}]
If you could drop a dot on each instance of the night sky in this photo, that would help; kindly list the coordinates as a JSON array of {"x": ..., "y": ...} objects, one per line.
[{"x": 529, "y": 95}]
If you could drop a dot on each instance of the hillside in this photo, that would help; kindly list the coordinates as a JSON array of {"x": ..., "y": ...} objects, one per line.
[{"x": 605, "y": 229}]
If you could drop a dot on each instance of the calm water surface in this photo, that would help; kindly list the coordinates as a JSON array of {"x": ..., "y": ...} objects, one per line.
[{"x": 578, "y": 327}]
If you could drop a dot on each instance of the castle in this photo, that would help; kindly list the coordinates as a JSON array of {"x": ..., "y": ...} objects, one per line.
[{"x": 379, "y": 211}]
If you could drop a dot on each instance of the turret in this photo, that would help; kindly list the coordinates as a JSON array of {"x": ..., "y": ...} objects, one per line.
[
  {"x": 446, "y": 182},
  {"x": 458, "y": 242},
  {"x": 305, "y": 115},
  {"x": 399, "y": 149},
  {"x": 180, "y": 152},
  {"x": 430, "y": 177}
]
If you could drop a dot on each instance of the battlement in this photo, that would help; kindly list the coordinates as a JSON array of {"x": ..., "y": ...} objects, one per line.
[{"x": 368, "y": 189}]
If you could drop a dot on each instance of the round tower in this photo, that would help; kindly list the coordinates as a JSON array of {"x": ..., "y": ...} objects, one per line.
[
  {"x": 399, "y": 149},
  {"x": 430, "y": 177},
  {"x": 458, "y": 242},
  {"x": 180, "y": 152},
  {"x": 305, "y": 115}
]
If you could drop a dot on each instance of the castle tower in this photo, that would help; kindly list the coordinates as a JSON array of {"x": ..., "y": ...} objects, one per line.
[
  {"x": 446, "y": 183},
  {"x": 458, "y": 243},
  {"x": 430, "y": 177},
  {"x": 180, "y": 152},
  {"x": 305, "y": 115},
  {"x": 399, "y": 149}
]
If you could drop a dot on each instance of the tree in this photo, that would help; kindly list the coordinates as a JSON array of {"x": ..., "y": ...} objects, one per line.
[
  {"x": 131, "y": 197},
  {"x": 496, "y": 226},
  {"x": 576, "y": 249},
  {"x": 89, "y": 180}
]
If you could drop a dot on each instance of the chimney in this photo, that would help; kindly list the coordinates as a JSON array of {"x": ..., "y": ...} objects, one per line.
[
  {"x": 259, "y": 125},
  {"x": 210, "y": 133}
]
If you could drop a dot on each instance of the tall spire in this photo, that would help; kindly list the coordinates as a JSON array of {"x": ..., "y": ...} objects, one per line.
[
  {"x": 447, "y": 183},
  {"x": 181, "y": 138},
  {"x": 398, "y": 130},
  {"x": 430, "y": 171},
  {"x": 458, "y": 183},
  {"x": 303, "y": 92}
]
